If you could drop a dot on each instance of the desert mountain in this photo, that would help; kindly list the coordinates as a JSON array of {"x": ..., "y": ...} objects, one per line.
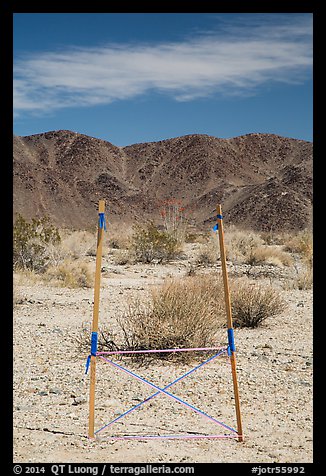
[{"x": 263, "y": 181}]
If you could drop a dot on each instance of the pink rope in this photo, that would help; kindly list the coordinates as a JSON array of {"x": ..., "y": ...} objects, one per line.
[
  {"x": 158, "y": 350},
  {"x": 156, "y": 437}
]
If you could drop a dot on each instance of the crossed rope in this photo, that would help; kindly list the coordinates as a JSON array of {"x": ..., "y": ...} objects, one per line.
[{"x": 159, "y": 391}]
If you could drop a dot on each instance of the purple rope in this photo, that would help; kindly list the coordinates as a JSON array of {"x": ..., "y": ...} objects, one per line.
[
  {"x": 137, "y": 377},
  {"x": 165, "y": 388}
]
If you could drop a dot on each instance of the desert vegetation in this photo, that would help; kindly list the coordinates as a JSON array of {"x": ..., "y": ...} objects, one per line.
[
  {"x": 183, "y": 312},
  {"x": 160, "y": 290}
]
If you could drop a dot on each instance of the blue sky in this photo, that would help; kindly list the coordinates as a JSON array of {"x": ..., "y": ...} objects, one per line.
[{"x": 141, "y": 77}]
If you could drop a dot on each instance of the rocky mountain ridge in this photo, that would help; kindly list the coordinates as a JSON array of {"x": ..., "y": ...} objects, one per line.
[{"x": 263, "y": 181}]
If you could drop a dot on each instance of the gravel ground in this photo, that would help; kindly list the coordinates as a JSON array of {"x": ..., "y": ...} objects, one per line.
[{"x": 274, "y": 364}]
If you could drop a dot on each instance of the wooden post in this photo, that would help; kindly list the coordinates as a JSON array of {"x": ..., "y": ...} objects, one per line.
[
  {"x": 229, "y": 319},
  {"x": 100, "y": 231}
]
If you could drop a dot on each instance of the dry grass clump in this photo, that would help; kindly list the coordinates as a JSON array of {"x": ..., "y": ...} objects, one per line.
[
  {"x": 77, "y": 244},
  {"x": 240, "y": 244},
  {"x": 271, "y": 255},
  {"x": 190, "y": 312},
  {"x": 18, "y": 296},
  {"x": 71, "y": 274},
  {"x": 302, "y": 280},
  {"x": 243, "y": 247},
  {"x": 209, "y": 252},
  {"x": 26, "y": 277},
  {"x": 252, "y": 304},
  {"x": 182, "y": 313},
  {"x": 119, "y": 236},
  {"x": 301, "y": 243},
  {"x": 122, "y": 257}
]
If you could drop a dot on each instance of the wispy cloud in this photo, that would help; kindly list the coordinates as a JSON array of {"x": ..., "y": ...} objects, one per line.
[{"x": 234, "y": 60}]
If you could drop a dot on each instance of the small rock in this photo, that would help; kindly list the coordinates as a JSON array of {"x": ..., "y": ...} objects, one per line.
[
  {"x": 57, "y": 391},
  {"x": 79, "y": 400}
]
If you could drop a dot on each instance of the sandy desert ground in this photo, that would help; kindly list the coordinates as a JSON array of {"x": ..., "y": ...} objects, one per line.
[{"x": 51, "y": 390}]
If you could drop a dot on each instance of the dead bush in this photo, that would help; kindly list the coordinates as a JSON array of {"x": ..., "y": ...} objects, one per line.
[
  {"x": 252, "y": 304},
  {"x": 106, "y": 340},
  {"x": 302, "y": 280},
  {"x": 240, "y": 244},
  {"x": 71, "y": 274},
  {"x": 183, "y": 313},
  {"x": 271, "y": 255},
  {"x": 301, "y": 243}
]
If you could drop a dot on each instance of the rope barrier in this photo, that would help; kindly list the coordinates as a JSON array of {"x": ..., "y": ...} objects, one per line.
[
  {"x": 91, "y": 359},
  {"x": 163, "y": 390},
  {"x": 157, "y": 393}
]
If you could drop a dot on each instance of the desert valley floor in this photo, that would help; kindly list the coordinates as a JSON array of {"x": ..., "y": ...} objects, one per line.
[{"x": 51, "y": 390}]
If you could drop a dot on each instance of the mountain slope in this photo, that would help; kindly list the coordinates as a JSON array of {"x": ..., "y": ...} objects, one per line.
[{"x": 263, "y": 181}]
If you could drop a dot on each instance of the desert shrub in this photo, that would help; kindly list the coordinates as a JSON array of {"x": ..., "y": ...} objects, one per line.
[
  {"x": 209, "y": 252},
  {"x": 302, "y": 280},
  {"x": 71, "y": 274},
  {"x": 148, "y": 243},
  {"x": 78, "y": 244},
  {"x": 31, "y": 241},
  {"x": 183, "y": 313},
  {"x": 269, "y": 255},
  {"x": 240, "y": 245},
  {"x": 187, "y": 312},
  {"x": 122, "y": 257},
  {"x": 175, "y": 222},
  {"x": 252, "y": 304},
  {"x": 301, "y": 243}
]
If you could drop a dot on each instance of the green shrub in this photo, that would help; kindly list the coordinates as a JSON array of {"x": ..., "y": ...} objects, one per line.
[
  {"x": 149, "y": 244},
  {"x": 30, "y": 242}
]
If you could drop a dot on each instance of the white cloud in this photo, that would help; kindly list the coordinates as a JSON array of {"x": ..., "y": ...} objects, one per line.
[{"x": 235, "y": 60}]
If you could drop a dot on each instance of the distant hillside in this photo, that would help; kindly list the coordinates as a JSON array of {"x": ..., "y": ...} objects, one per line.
[{"x": 263, "y": 181}]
